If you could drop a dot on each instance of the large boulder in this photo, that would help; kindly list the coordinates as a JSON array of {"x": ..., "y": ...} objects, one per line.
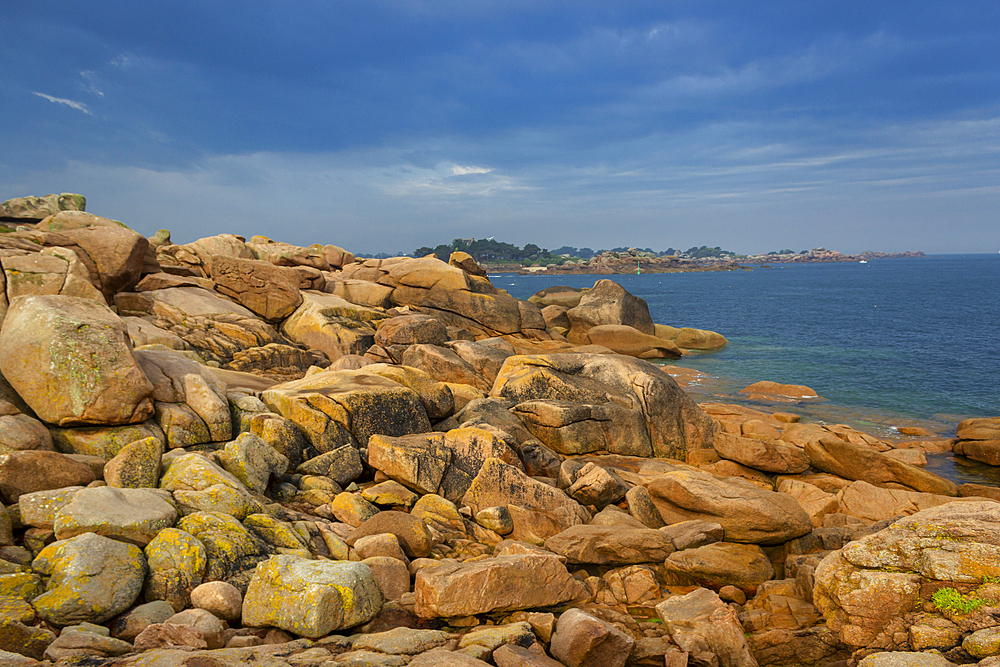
[
  {"x": 877, "y": 583},
  {"x": 503, "y": 583},
  {"x": 71, "y": 360},
  {"x": 268, "y": 290},
  {"x": 177, "y": 562},
  {"x": 334, "y": 408},
  {"x": 767, "y": 455},
  {"x": 329, "y": 323},
  {"x": 33, "y": 209},
  {"x": 861, "y": 462},
  {"x": 51, "y": 271},
  {"x": 311, "y": 598},
  {"x": 747, "y": 513},
  {"x": 30, "y": 471},
  {"x": 91, "y": 578},
  {"x": 608, "y": 303},
  {"x": 129, "y": 515},
  {"x": 721, "y": 564},
  {"x": 581, "y": 640},
  {"x": 628, "y": 340},
  {"x": 450, "y": 294},
  {"x": 672, "y": 423},
  {"x": 706, "y": 628}
]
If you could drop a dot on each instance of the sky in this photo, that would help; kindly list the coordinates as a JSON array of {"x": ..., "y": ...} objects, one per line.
[{"x": 385, "y": 125}]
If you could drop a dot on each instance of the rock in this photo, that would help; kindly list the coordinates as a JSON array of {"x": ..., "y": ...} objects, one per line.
[
  {"x": 500, "y": 484},
  {"x": 603, "y": 545},
  {"x": 390, "y": 494},
  {"x": 136, "y": 466},
  {"x": 769, "y": 456},
  {"x": 746, "y": 512},
  {"x": 352, "y": 509},
  {"x": 21, "y": 432},
  {"x": 177, "y": 562},
  {"x": 979, "y": 428},
  {"x": 450, "y": 294},
  {"x": 127, "y": 626},
  {"x": 401, "y": 641},
  {"x": 232, "y": 550},
  {"x": 608, "y": 303},
  {"x": 413, "y": 535},
  {"x": 30, "y": 471},
  {"x": 98, "y": 379},
  {"x": 581, "y": 640},
  {"x": 207, "y": 625},
  {"x": 196, "y": 391},
  {"x": 694, "y": 533},
  {"x": 418, "y": 462},
  {"x": 596, "y": 486},
  {"x": 471, "y": 446},
  {"x": 409, "y": 330},
  {"x": 641, "y": 506},
  {"x": 34, "y": 209},
  {"x": 331, "y": 324},
  {"x": 859, "y": 462},
  {"x": 381, "y": 544},
  {"x": 24, "y": 640},
  {"x": 497, "y": 519},
  {"x": 91, "y": 578},
  {"x": 816, "y": 502},
  {"x": 169, "y": 635},
  {"x": 440, "y": 657},
  {"x": 624, "y": 339},
  {"x": 130, "y": 515},
  {"x": 104, "y": 442},
  {"x": 392, "y": 575},
  {"x": 253, "y": 461},
  {"x": 196, "y": 483},
  {"x": 905, "y": 659},
  {"x": 872, "y": 503},
  {"x": 268, "y": 290},
  {"x": 78, "y": 644},
  {"x": 486, "y": 356},
  {"x": 575, "y": 428},
  {"x": 219, "y": 598},
  {"x": 444, "y": 365},
  {"x": 437, "y": 398},
  {"x": 706, "y": 628},
  {"x": 673, "y": 423},
  {"x": 876, "y": 579},
  {"x": 335, "y": 408},
  {"x": 692, "y": 339},
  {"x": 985, "y": 451},
  {"x": 774, "y": 391},
  {"x": 311, "y": 598},
  {"x": 716, "y": 565},
  {"x": 503, "y": 583}
]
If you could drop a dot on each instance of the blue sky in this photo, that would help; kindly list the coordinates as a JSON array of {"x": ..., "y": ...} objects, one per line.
[{"x": 381, "y": 126}]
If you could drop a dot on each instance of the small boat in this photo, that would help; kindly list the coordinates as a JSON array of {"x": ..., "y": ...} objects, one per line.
[{"x": 864, "y": 261}]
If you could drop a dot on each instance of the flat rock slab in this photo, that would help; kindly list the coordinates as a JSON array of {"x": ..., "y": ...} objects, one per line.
[
  {"x": 130, "y": 515},
  {"x": 311, "y": 598},
  {"x": 504, "y": 583},
  {"x": 611, "y": 545}
]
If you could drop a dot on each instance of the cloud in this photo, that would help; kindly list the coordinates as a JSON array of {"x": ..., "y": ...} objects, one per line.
[
  {"x": 79, "y": 106},
  {"x": 462, "y": 171}
]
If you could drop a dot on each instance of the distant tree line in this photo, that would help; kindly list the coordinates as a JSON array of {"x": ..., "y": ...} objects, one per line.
[{"x": 493, "y": 251}]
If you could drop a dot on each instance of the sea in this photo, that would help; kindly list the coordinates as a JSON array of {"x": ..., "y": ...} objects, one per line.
[{"x": 887, "y": 343}]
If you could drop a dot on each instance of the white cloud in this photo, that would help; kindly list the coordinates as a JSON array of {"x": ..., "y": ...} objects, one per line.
[
  {"x": 79, "y": 106},
  {"x": 459, "y": 170}
]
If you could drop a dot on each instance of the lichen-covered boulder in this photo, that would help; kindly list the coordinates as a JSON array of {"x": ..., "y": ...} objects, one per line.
[
  {"x": 253, "y": 461},
  {"x": 671, "y": 422},
  {"x": 233, "y": 551},
  {"x": 33, "y": 209},
  {"x": 71, "y": 360},
  {"x": 311, "y": 598},
  {"x": 336, "y": 408},
  {"x": 877, "y": 580},
  {"x": 177, "y": 562},
  {"x": 136, "y": 466},
  {"x": 329, "y": 323},
  {"x": 91, "y": 579}
]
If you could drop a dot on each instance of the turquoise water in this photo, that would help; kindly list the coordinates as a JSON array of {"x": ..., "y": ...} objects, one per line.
[{"x": 908, "y": 341}]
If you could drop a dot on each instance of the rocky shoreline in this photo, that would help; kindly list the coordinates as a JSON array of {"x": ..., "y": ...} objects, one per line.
[{"x": 243, "y": 452}]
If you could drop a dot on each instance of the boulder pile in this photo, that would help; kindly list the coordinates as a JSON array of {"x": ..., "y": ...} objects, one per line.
[{"x": 234, "y": 452}]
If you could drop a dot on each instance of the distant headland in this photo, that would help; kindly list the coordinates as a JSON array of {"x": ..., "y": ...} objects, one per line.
[{"x": 499, "y": 257}]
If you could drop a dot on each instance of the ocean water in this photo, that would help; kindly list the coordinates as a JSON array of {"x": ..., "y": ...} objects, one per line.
[{"x": 891, "y": 342}]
